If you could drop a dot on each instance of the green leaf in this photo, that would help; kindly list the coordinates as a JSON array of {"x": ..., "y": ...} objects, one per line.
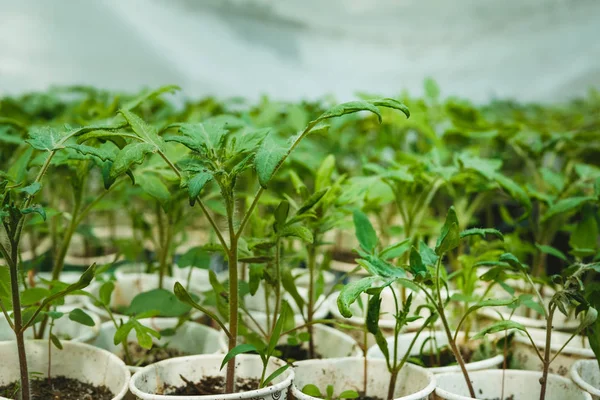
[
  {"x": 274, "y": 375},
  {"x": 513, "y": 261},
  {"x": 585, "y": 235},
  {"x": 312, "y": 201},
  {"x": 349, "y": 394},
  {"x": 553, "y": 251},
  {"x": 514, "y": 190},
  {"x": 432, "y": 90},
  {"x": 378, "y": 267},
  {"x": 80, "y": 316},
  {"x": 566, "y": 205},
  {"x": 34, "y": 295},
  {"x": 349, "y": 108},
  {"x": 373, "y": 308},
  {"x": 31, "y": 189},
  {"x": 143, "y": 130},
  {"x": 133, "y": 153},
  {"x": 297, "y": 231},
  {"x": 123, "y": 332},
  {"x": 35, "y": 209},
  {"x": 351, "y": 292},
  {"x": 184, "y": 297},
  {"x": 417, "y": 268},
  {"x": 144, "y": 335},
  {"x": 196, "y": 183},
  {"x": 391, "y": 103},
  {"x": 491, "y": 303},
  {"x": 161, "y": 301},
  {"x": 203, "y": 137},
  {"x": 366, "y": 235},
  {"x": 154, "y": 186},
  {"x": 482, "y": 232},
  {"x": 281, "y": 214},
  {"x": 84, "y": 280},
  {"x": 101, "y": 153},
  {"x": 56, "y": 341},
  {"x": 277, "y": 330},
  {"x": 498, "y": 327},
  {"x": 395, "y": 250},
  {"x": 105, "y": 292},
  {"x": 269, "y": 156},
  {"x": 323, "y": 175},
  {"x": 45, "y": 138},
  {"x": 288, "y": 283},
  {"x": 449, "y": 238},
  {"x": 239, "y": 349},
  {"x": 311, "y": 390}
]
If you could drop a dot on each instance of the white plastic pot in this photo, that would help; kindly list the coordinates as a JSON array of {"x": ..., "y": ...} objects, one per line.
[
  {"x": 413, "y": 382},
  {"x": 522, "y": 385},
  {"x": 526, "y": 357},
  {"x": 441, "y": 339},
  {"x": 63, "y": 328},
  {"x": 586, "y": 374},
  {"x": 76, "y": 360},
  {"x": 126, "y": 288},
  {"x": 190, "y": 338},
  {"x": 329, "y": 342},
  {"x": 149, "y": 382}
]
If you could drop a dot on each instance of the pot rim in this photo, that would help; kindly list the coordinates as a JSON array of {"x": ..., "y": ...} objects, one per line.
[
  {"x": 569, "y": 325},
  {"x": 69, "y": 344},
  {"x": 535, "y": 375},
  {"x": 472, "y": 366},
  {"x": 287, "y": 382},
  {"x": 423, "y": 393},
  {"x": 579, "y": 381}
]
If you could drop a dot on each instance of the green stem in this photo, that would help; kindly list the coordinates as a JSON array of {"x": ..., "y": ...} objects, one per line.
[
  {"x": 233, "y": 297},
  {"x": 18, "y": 319},
  {"x": 451, "y": 340},
  {"x": 312, "y": 255},
  {"x": 277, "y": 283},
  {"x": 547, "y": 361}
]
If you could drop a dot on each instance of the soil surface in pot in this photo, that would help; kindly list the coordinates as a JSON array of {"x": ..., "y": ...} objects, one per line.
[
  {"x": 141, "y": 357},
  {"x": 59, "y": 388},
  {"x": 443, "y": 358},
  {"x": 295, "y": 353},
  {"x": 210, "y": 385},
  {"x": 365, "y": 397}
]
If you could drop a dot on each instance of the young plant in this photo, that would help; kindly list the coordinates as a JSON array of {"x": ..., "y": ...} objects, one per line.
[
  {"x": 222, "y": 151},
  {"x": 570, "y": 296},
  {"x": 383, "y": 277},
  {"x": 314, "y": 391}
]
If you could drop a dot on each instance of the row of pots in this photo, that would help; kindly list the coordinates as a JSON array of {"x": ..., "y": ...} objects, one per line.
[{"x": 100, "y": 367}]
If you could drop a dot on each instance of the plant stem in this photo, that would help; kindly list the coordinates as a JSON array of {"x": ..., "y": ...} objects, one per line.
[
  {"x": 18, "y": 318},
  {"x": 544, "y": 379},
  {"x": 165, "y": 251},
  {"x": 311, "y": 294},
  {"x": 392, "y": 387},
  {"x": 277, "y": 283},
  {"x": 451, "y": 340},
  {"x": 232, "y": 259}
]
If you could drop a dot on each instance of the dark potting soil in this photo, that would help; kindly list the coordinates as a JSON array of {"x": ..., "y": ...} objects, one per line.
[
  {"x": 59, "y": 388},
  {"x": 210, "y": 385},
  {"x": 364, "y": 397},
  {"x": 295, "y": 353},
  {"x": 446, "y": 357},
  {"x": 141, "y": 357}
]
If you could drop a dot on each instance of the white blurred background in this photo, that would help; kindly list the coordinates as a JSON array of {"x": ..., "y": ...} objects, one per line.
[{"x": 541, "y": 50}]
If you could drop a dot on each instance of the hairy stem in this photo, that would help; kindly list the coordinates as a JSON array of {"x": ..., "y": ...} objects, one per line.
[{"x": 312, "y": 255}]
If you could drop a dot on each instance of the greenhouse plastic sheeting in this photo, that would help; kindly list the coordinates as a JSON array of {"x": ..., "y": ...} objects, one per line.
[{"x": 545, "y": 50}]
